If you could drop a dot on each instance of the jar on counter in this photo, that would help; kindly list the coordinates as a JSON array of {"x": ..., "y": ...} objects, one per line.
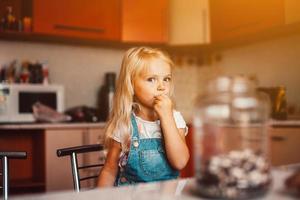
[{"x": 231, "y": 140}]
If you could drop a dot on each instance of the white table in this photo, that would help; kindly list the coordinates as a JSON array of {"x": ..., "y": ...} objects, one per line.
[{"x": 175, "y": 189}]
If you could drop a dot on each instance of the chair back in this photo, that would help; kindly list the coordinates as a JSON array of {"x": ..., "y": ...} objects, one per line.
[
  {"x": 5, "y": 156},
  {"x": 73, "y": 152}
]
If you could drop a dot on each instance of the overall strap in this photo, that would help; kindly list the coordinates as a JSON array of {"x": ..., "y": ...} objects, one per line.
[{"x": 135, "y": 132}]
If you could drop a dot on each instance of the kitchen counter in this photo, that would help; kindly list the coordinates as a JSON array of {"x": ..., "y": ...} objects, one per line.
[
  {"x": 285, "y": 123},
  {"x": 51, "y": 125},
  {"x": 166, "y": 190},
  {"x": 273, "y": 123}
]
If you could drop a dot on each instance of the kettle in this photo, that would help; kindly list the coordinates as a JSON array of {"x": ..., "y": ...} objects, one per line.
[{"x": 277, "y": 96}]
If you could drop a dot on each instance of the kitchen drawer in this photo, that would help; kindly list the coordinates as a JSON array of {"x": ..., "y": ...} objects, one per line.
[{"x": 284, "y": 145}]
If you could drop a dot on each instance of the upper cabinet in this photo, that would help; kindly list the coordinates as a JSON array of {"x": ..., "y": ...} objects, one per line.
[
  {"x": 210, "y": 21},
  {"x": 235, "y": 18},
  {"x": 189, "y": 22},
  {"x": 173, "y": 22},
  {"x": 93, "y": 19},
  {"x": 292, "y": 11},
  {"x": 145, "y": 21},
  {"x": 125, "y": 20}
]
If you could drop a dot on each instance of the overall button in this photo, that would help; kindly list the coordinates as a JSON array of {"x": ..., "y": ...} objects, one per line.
[
  {"x": 123, "y": 180},
  {"x": 135, "y": 144}
]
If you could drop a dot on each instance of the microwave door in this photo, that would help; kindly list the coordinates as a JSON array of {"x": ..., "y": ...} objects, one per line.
[{"x": 28, "y": 99}]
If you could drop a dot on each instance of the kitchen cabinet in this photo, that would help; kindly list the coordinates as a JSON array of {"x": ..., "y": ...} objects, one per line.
[
  {"x": 189, "y": 22},
  {"x": 212, "y": 21},
  {"x": 117, "y": 20},
  {"x": 59, "y": 168},
  {"x": 25, "y": 174},
  {"x": 93, "y": 19},
  {"x": 292, "y": 11},
  {"x": 43, "y": 171},
  {"x": 284, "y": 145},
  {"x": 234, "y": 18},
  {"x": 145, "y": 21}
]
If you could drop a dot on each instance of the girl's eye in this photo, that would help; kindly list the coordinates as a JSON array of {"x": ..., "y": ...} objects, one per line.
[
  {"x": 168, "y": 79},
  {"x": 150, "y": 79}
]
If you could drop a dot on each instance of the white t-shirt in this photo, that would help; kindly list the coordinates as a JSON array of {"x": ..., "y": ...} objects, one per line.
[{"x": 152, "y": 129}]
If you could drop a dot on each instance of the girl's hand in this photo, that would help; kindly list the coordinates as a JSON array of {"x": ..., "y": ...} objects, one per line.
[{"x": 163, "y": 105}]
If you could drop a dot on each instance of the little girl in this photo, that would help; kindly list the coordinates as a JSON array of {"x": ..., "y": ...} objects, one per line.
[{"x": 145, "y": 135}]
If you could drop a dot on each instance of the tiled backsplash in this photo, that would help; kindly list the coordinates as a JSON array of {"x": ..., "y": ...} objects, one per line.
[{"x": 190, "y": 80}]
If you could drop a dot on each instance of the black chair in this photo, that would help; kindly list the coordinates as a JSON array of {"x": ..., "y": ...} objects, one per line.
[
  {"x": 4, "y": 157},
  {"x": 73, "y": 152}
]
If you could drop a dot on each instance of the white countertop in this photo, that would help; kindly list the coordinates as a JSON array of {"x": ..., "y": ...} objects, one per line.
[
  {"x": 167, "y": 190},
  {"x": 52, "y": 125},
  {"x": 283, "y": 123},
  {"x": 273, "y": 123}
]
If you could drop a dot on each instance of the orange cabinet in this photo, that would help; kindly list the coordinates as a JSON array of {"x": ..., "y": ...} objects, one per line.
[
  {"x": 292, "y": 11},
  {"x": 119, "y": 20},
  {"x": 209, "y": 21},
  {"x": 235, "y": 18},
  {"x": 93, "y": 19},
  {"x": 145, "y": 21}
]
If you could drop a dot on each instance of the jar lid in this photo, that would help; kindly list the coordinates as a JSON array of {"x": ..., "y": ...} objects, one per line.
[{"x": 234, "y": 84}]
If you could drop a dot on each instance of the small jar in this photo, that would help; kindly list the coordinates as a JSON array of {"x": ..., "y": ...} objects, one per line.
[{"x": 231, "y": 140}]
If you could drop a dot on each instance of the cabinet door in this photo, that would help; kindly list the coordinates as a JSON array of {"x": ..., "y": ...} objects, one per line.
[
  {"x": 285, "y": 144},
  {"x": 292, "y": 11},
  {"x": 93, "y": 19},
  {"x": 58, "y": 170},
  {"x": 189, "y": 22},
  {"x": 145, "y": 21},
  {"x": 94, "y": 136},
  {"x": 236, "y": 18}
]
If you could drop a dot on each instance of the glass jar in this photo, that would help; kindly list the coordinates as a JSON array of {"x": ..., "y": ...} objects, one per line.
[{"x": 231, "y": 140}]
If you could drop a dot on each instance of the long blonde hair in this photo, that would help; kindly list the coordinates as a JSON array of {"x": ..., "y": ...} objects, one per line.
[{"x": 134, "y": 62}]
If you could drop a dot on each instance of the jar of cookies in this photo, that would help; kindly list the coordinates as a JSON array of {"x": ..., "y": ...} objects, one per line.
[{"x": 231, "y": 140}]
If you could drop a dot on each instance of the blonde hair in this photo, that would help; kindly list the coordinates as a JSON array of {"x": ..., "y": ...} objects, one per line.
[{"x": 134, "y": 62}]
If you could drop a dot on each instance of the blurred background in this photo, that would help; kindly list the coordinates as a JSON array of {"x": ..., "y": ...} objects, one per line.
[{"x": 77, "y": 43}]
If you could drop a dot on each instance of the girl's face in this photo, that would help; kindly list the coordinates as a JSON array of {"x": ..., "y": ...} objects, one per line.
[{"x": 151, "y": 82}]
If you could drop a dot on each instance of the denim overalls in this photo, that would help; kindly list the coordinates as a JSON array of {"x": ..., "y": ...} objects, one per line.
[{"x": 147, "y": 161}]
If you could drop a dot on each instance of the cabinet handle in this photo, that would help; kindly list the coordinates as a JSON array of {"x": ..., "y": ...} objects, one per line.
[
  {"x": 278, "y": 138},
  {"x": 77, "y": 28}
]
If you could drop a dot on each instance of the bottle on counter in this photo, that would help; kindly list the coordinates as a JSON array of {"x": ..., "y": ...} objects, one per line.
[
  {"x": 45, "y": 70},
  {"x": 231, "y": 140},
  {"x": 105, "y": 96},
  {"x": 24, "y": 74},
  {"x": 11, "y": 22}
]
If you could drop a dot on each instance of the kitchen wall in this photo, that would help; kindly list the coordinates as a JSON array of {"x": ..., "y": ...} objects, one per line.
[
  {"x": 274, "y": 63},
  {"x": 81, "y": 69}
]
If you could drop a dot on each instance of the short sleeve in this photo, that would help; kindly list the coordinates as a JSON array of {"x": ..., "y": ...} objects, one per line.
[
  {"x": 180, "y": 123},
  {"x": 117, "y": 137}
]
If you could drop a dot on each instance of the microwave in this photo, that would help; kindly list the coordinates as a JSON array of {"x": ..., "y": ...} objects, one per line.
[{"x": 16, "y": 100}]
